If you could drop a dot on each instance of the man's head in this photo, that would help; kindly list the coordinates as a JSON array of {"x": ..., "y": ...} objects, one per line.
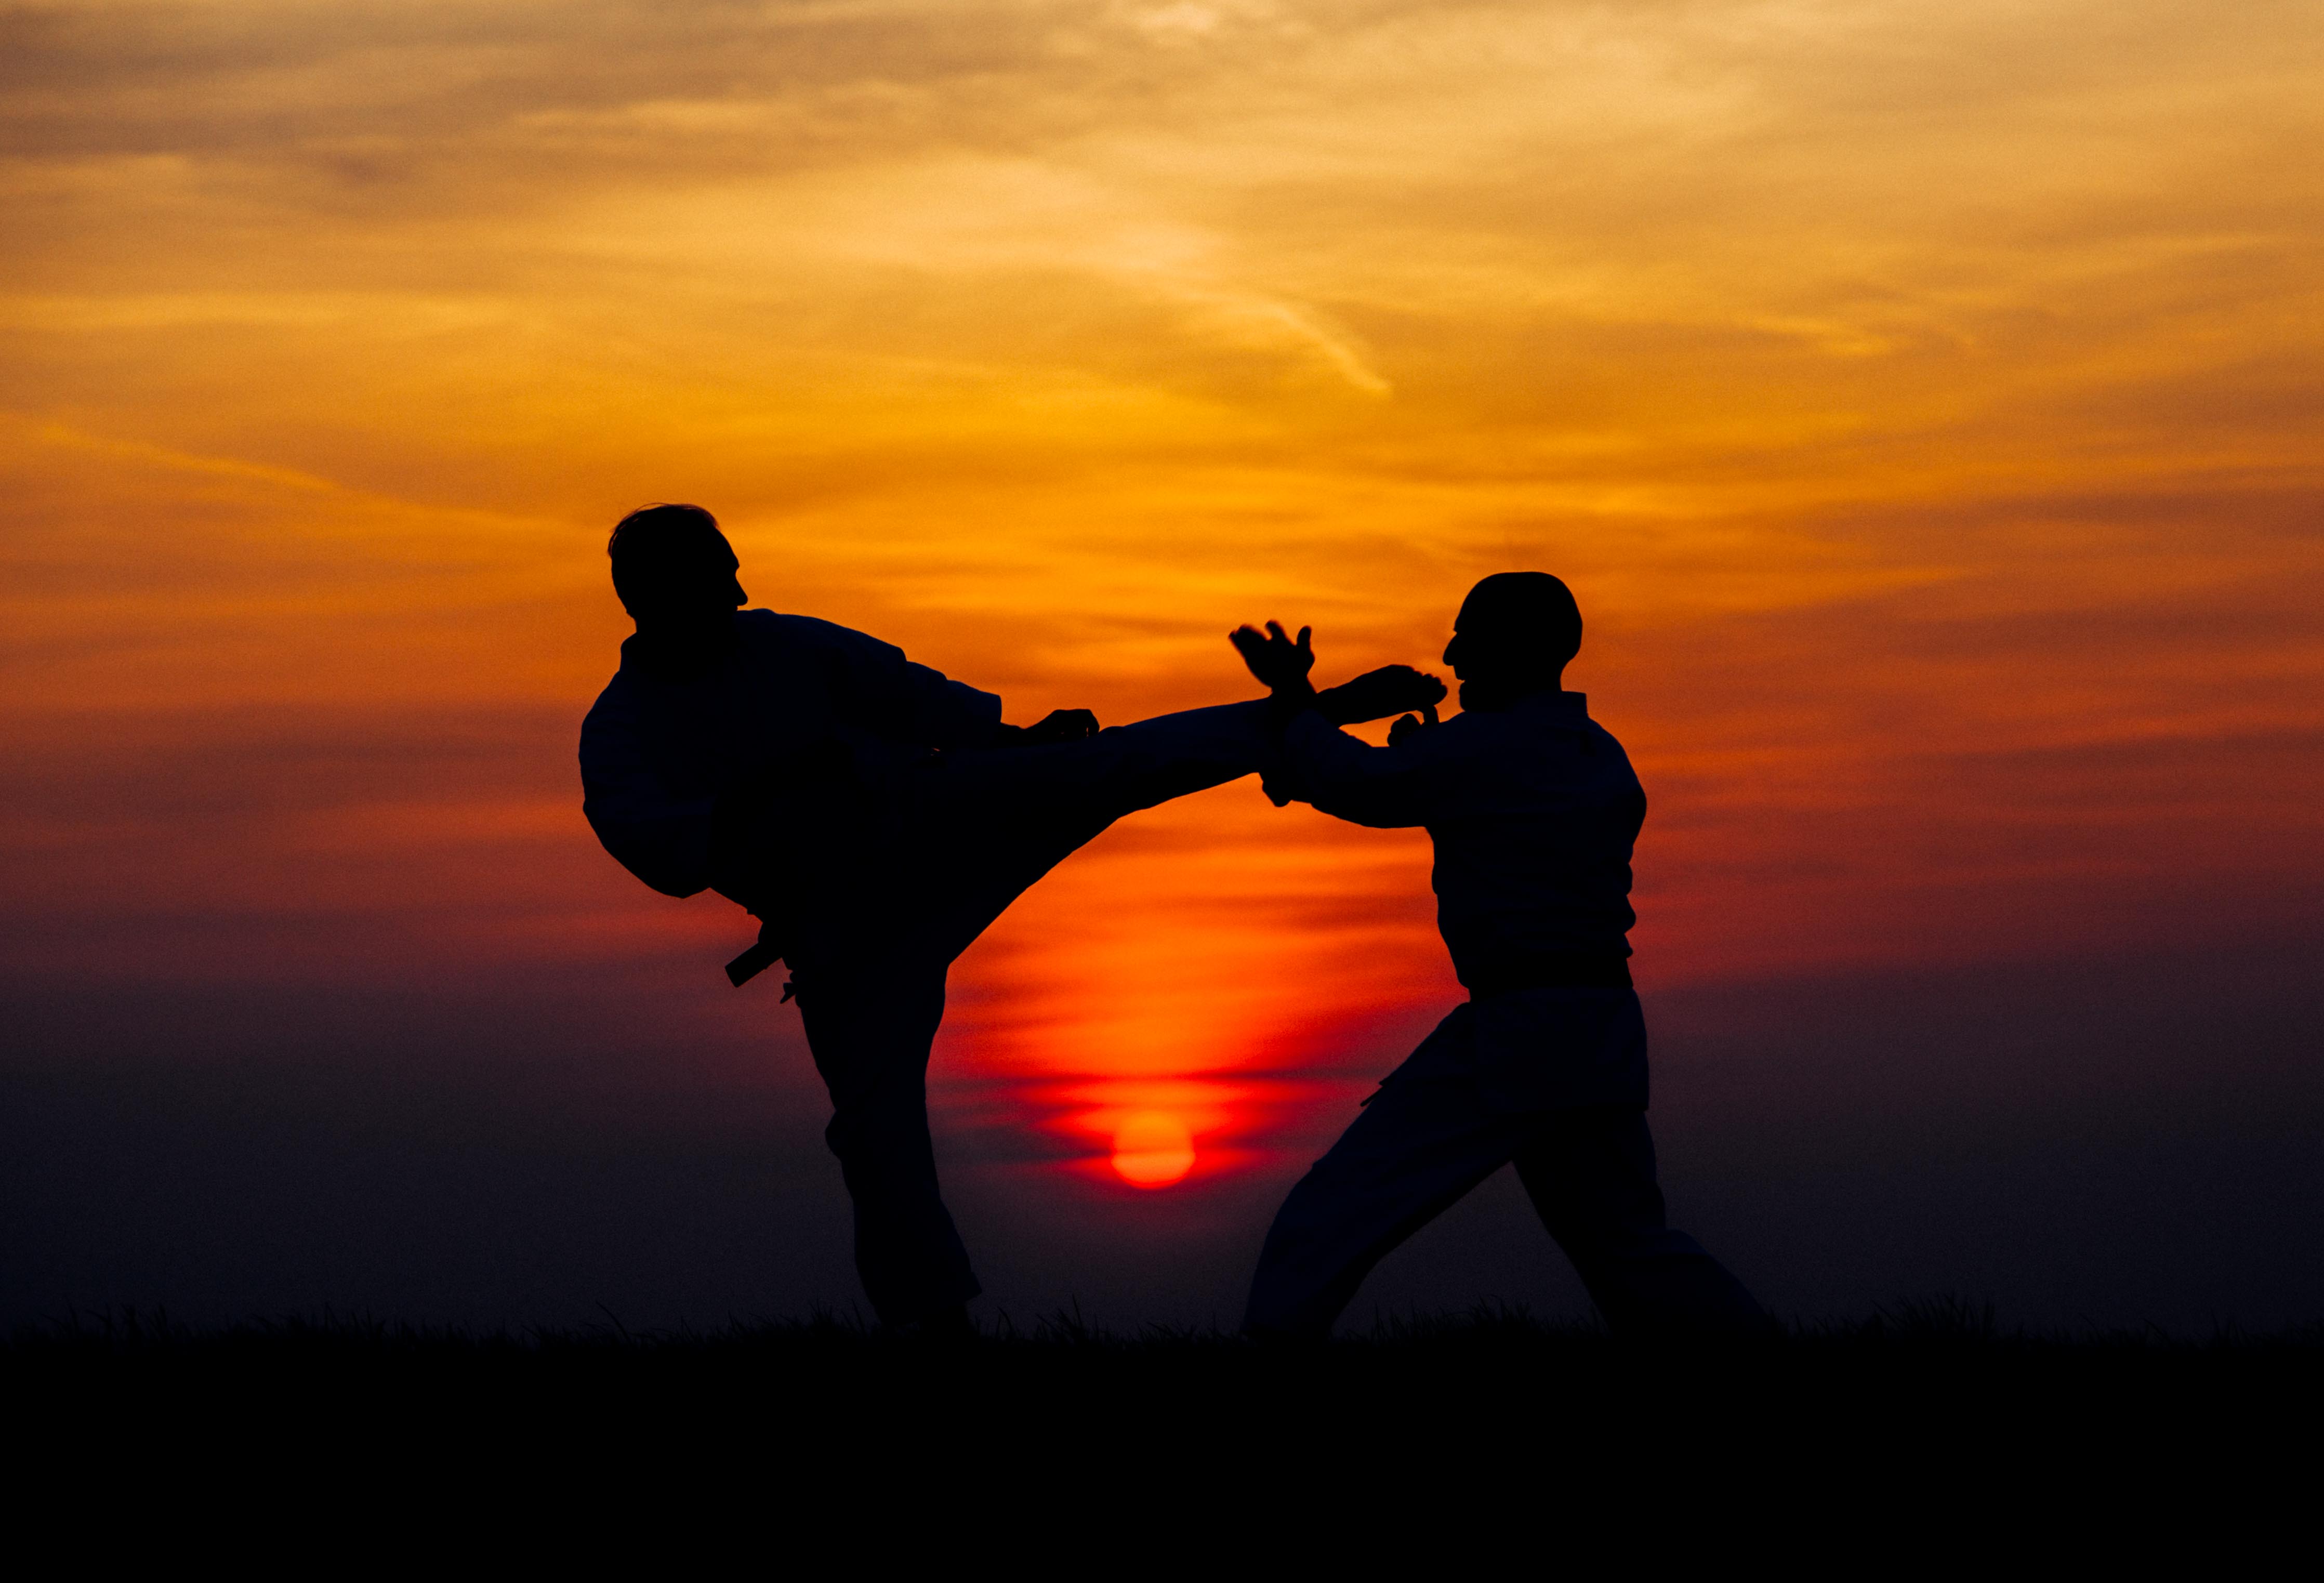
[
  {"x": 672, "y": 567},
  {"x": 1514, "y": 634}
]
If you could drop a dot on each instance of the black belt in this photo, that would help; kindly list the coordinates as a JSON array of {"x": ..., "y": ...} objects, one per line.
[
  {"x": 1554, "y": 970},
  {"x": 769, "y": 950}
]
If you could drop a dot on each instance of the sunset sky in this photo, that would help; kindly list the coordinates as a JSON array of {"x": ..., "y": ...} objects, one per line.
[{"x": 1924, "y": 402}]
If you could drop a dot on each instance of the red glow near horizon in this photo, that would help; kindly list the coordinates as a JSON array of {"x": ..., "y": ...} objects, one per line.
[{"x": 1933, "y": 452}]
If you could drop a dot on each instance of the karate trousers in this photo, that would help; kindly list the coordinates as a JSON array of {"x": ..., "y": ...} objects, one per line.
[
  {"x": 1452, "y": 1115},
  {"x": 949, "y": 843}
]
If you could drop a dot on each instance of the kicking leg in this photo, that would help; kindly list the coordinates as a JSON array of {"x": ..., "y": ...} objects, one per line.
[
  {"x": 980, "y": 828},
  {"x": 1114, "y": 772}
]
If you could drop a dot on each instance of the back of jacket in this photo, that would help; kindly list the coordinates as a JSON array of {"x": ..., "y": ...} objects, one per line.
[
  {"x": 1534, "y": 809},
  {"x": 720, "y": 778}
]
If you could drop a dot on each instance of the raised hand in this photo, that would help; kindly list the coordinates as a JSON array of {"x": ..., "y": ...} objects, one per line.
[
  {"x": 1274, "y": 659},
  {"x": 1375, "y": 694}
]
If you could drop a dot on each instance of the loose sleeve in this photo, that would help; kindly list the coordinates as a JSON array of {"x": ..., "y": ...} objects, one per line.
[
  {"x": 1384, "y": 787},
  {"x": 888, "y": 694},
  {"x": 659, "y": 832}
]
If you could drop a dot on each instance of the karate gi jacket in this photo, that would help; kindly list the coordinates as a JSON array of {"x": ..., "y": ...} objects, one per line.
[
  {"x": 1534, "y": 811},
  {"x": 754, "y": 772}
]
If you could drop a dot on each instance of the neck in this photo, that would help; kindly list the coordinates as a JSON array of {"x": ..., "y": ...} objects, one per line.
[
  {"x": 680, "y": 650},
  {"x": 1490, "y": 693}
]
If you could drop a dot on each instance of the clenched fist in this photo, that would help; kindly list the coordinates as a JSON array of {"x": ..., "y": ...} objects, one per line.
[{"x": 1393, "y": 689}]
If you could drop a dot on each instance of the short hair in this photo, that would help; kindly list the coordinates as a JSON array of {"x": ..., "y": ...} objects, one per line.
[
  {"x": 659, "y": 550},
  {"x": 1525, "y": 615}
]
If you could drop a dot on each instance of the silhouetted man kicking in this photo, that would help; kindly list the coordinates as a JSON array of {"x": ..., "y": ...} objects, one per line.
[
  {"x": 1533, "y": 807},
  {"x": 875, "y": 817}
]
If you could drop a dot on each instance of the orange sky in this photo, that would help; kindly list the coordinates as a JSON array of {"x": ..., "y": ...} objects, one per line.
[{"x": 1924, "y": 402}]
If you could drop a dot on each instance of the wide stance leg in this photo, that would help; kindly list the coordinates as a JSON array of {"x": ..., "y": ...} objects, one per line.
[
  {"x": 870, "y": 1034},
  {"x": 1434, "y": 1131},
  {"x": 1591, "y": 1174},
  {"x": 1422, "y": 1140}
]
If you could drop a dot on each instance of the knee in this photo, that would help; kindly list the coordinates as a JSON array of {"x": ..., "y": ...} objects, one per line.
[{"x": 875, "y": 1128}]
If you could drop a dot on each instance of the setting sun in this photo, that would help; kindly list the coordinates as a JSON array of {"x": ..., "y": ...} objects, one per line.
[
  {"x": 1151, "y": 1149},
  {"x": 1920, "y": 401}
]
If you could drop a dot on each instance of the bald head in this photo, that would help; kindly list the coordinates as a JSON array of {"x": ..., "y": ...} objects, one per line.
[{"x": 1514, "y": 634}]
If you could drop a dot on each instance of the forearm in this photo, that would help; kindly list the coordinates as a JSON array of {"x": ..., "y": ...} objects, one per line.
[
  {"x": 1341, "y": 705},
  {"x": 1286, "y": 703},
  {"x": 1349, "y": 778},
  {"x": 1349, "y": 703}
]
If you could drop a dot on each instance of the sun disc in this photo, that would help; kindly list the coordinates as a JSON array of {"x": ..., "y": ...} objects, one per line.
[{"x": 1152, "y": 1149}]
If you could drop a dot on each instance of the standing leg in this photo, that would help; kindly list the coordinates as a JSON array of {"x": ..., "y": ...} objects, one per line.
[
  {"x": 1422, "y": 1142},
  {"x": 1591, "y": 1174},
  {"x": 952, "y": 842},
  {"x": 870, "y": 1034}
]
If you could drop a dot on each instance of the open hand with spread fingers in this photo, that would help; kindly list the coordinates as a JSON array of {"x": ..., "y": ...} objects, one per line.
[{"x": 1274, "y": 659}]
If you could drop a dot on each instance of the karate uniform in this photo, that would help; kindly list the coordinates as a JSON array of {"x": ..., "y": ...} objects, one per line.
[
  {"x": 854, "y": 801},
  {"x": 1534, "y": 810}
]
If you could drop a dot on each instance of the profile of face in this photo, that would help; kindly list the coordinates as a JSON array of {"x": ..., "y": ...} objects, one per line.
[
  {"x": 1464, "y": 657},
  {"x": 1514, "y": 634},
  {"x": 702, "y": 593},
  {"x": 675, "y": 572}
]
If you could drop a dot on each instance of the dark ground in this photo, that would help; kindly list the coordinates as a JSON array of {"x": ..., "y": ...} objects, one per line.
[{"x": 1922, "y": 1431}]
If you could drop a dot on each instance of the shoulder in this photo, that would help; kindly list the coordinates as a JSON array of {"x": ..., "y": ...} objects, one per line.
[
  {"x": 1542, "y": 732},
  {"x": 619, "y": 696},
  {"x": 1566, "y": 716},
  {"x": 1601, "y": 740},
  {"x": 1472, "y": 730},
  {"x": 1604, "y": 749},
  {"x": 809, "y": 632}
]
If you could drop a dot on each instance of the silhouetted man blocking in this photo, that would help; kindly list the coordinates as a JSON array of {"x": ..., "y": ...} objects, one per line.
[
  {"x": 874, "y": 816},
  {"x": 1534, "y": 809}
]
